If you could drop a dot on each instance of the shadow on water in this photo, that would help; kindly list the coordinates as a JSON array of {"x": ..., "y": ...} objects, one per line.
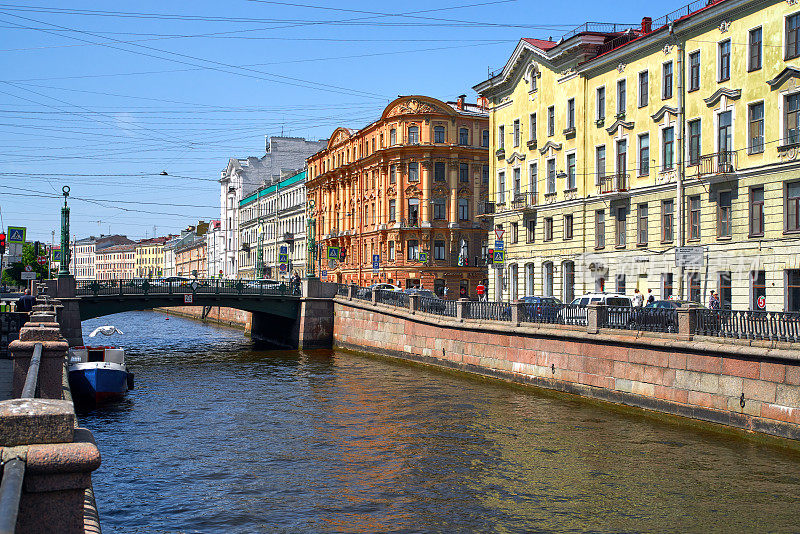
[{"x": 224, "y": 435}]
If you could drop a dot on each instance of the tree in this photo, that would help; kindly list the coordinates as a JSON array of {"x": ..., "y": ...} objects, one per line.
[{"x": 12, "y": 275}]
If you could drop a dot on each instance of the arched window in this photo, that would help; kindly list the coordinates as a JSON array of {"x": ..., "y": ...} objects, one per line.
[
  {"x": 413, "y": 135},
  {"x": 529, "y": 280},
  {"x": 547, "y": 279}
]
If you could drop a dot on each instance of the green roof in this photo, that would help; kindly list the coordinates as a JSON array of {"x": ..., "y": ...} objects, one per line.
[{"x": 299, "y": 177}]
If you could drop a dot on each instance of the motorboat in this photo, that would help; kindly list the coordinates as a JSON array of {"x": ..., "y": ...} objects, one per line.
[{"x": 98, "y": 374}]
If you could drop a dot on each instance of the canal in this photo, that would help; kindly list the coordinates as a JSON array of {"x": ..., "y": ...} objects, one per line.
[{"x": 221, "y": 435}]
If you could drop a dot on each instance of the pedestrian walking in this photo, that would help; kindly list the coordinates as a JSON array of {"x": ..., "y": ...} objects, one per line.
[
  {"x": 638, "y": 298},
  {"x": 294, "y": 282},
  {"x": 25, "y": 302},
  {"x": 445, "y": 291},
  {"x": 480, "y": 289},
  {"x": 713, "y": 301},
  {"x": 650, "y": 297}
]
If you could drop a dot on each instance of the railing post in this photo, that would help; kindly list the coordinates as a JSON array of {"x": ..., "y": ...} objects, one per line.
[
  {"x": 461, "y": 309},
  {"x": 686, "y": 323},
  {"x": 374, "y": 297},
  {"x": 595, "y": 317},
  {"x": 350, "y": 290},
  {"x": 413, "y": 303},
  {"x": 120, "y": 287},
  {"x": 516, "y": 312}
]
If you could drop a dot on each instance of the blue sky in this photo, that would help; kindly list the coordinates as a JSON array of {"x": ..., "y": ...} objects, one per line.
[{"x": 104, "y": 96}]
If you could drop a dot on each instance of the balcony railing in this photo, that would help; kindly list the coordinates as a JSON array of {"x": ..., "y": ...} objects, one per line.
[
  {"x": 412, "y": 222},
  {"x": 524, "y": 201},
  {"x": 615, "y": 183},
  {"x": 718, "y": 163},
  {"x": 486, "y": 208}
]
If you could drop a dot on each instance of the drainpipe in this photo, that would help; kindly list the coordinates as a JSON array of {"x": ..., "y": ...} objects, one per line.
[{"x": 681, "y": 167}]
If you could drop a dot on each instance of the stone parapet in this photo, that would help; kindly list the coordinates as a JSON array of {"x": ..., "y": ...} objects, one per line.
[
  {"x": 26, "y": 421},
  {"x": 51, "y": 367}
]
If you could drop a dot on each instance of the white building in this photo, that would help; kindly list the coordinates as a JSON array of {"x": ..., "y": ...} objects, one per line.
[
  {"x": 242, "y": 177},
  {"x": 83, "y": 263},
  {"x": 215, "y": 250}
]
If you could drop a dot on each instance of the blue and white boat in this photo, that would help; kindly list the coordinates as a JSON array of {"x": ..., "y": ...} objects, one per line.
[{"x": 98, "y": 374}]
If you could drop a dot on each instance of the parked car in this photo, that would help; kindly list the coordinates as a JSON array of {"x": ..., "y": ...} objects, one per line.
[
  {"x": 433, "y": 302},
  {"x": 666, "y": 318},
  {"x": 541, "y": 309},
  {"x": 575, "y": 311},
  {"x": 366, "y": 292}
]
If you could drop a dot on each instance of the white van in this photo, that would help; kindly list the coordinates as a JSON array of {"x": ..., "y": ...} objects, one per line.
[{"x": 575, "y": 311}]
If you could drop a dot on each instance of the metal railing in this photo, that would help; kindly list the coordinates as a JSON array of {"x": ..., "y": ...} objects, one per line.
[
  {"x": 342, "y": 289},
  {"x": 541, "y": 313},
  {"x": 717, "y": 163},
  {"x": 523, "y": 201},
  {"x": 493, "y": 311},
  {"x": 755, "y": 325},
  {"x": 393, "y": 298},
  {"x": 486, "y": 208},
  {"x": 572, "y": 315},
  {"x": 437, "y": 306},
  {"x": 597, "y": 27},
  {"x": 412, "y": 222},
  {"x": 641, "y": 319},
  {"x": 681, "y": 12},
  {"x": 614, "y": 183},
  {"x": 214, "y": 286},
  {"x": 629, "y": 35},
  {"x": 362, "y": 293},
  {"x": 14, "y": 469}
]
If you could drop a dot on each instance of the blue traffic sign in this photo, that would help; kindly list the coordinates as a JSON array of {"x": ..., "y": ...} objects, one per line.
[
  {"x": 323, "y": 273},
  {"x": 499, "y": 245},
  {"x": 499, "y": 256},
  {"x": 333, "y": 253},
  {"x": 283, "y": 249},
  {"x": 16, "y": 234}
]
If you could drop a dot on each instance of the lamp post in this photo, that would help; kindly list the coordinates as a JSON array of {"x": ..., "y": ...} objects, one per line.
[
  {"x": 311, "y": 244},
  {"x": 65, "y": 252}
]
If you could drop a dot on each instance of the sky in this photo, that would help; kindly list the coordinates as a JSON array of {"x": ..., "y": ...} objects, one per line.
[{"x": 105, "y": 96}]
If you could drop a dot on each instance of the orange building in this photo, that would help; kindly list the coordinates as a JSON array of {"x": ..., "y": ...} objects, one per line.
[{"x": 406, "y": 189}]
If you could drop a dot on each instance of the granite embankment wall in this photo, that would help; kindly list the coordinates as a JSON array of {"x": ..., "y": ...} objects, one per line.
[
  {"x": 721, "y": 381},
  {"x": 217, "y": 315}
]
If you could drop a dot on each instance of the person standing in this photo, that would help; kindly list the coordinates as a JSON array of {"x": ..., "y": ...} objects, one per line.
[
  {"x": 25, "y": 302},
  {"x": 480, "y": 289},
  {"x": 638, "y": 298},
  {"x": 650, "y": 298},
  {"x": 445, "y": 290},
  {"x": 713, "y": 301}
]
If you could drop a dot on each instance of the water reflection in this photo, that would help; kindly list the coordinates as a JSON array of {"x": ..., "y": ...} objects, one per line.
[{"x": 223, "y": 436}]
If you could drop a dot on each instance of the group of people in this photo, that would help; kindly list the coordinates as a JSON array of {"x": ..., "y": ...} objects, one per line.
[{"x": 639, "y": 300}]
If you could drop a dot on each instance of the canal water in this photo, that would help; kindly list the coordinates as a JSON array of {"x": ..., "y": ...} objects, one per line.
[{"x": 221, "y": 435}]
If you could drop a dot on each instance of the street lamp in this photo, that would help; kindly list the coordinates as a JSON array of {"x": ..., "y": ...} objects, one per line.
[
  {"x": 311, "y": 245},
  {"x": 65, "y": 252}
]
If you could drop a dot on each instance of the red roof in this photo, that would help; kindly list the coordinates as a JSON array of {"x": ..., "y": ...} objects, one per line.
[{"x": 540, "y": 43}]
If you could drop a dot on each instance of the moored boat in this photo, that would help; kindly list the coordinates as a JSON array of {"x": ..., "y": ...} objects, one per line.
[{"x": 98, "y": 374}]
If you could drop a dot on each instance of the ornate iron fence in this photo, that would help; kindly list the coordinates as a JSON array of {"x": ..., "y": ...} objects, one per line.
[
  {"x": 573, "y": 315},
  {"x": 214, "y": 286},
  {"x": 541, "y": 313},
  {"x": 437, "y": 306},
  {"x": 393, "y": 298},
  {"x": 493, "y": 311},
  {"x": 756, "y": 325},
  {"x": 362, "y": 293},
  {"x": 646, "y": 319}
]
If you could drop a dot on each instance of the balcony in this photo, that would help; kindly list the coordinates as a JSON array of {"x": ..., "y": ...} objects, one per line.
[
  {"x": 524, "y": 201},
  {"x": 412, "y": 222},
  {"x": 717, "y": 167},
  {"x": 613, "y": 185},
  {"x": 486, "y": 208}
]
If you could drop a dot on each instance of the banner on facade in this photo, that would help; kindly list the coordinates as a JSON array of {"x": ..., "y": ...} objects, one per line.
[{"x": 691, "y": 257}]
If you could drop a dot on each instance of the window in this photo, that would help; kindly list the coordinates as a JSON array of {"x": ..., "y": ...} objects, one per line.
[
  {"x": 694, "y": 217},
  {"x": 570, "y": 113},
  {"x": 463, "y": 136},
  {"x": 533, "y": 179},
  {"x": 438, "y": 134},
  {"x": 551, "y": 120},
  {"x": 550, "y": 186},
  {"x": 725, "y": 290},
  {"x": 754, "y": 50},
  {"x": 501, "y": 137},
  {"x": 463, "y": 172},
  {"x": 668, "y": 148},
  {"x": 667, "y": 220},
  {"x": 793, "y": 290},
  {"x": 547, "y": 279},
  {"x": 757, "y": 211},
  {"x": 439, "y": 169},
  {"x": 529, "y": 281},
  {"x": 413, "y": 172},
  {"x": 568, "y": 226},
  {"x": 620, "y": 282},
  {"x": 724, "y": 214},
  {"x": 413, "y": 249},
  {"x": 666, "y": 285},
  {"x": 791, "y": 119},
  {"x": 755, "y": 113},
  {"x": 599, "y": 228},
  {"x": 413, "y": 211},
  {"x": 601, "y": 103},
  {"x": 485, "y": 175},
  {"x": 568, "y": 287},
  {"x": 391, "y": 251},
  {"x": 485, "y": 138},
  {"x": 532, "y": 127},
  {"x": 392, "y": 174},
  {"x": 501, "y": 187},
  {"x": 392, "y": 210},
  {"x": 694, "y": 71},
  {"x": 793, "y": 207},
  {"x": 666, "y": 81},
  {"x": 644, "y": 154},
  {"x": 548, "y": 228},
  {"x": 413, "y": 135},
  {"x": 793, "y": 36},
  {"x": 517, "y": 185},
  {"x": 531, "y": 230},
  {"x": 641, "y": 225},
  {"x": 622, "y": 162},
  {"x": 463, "y": 209},
  {"x": 621, "y": 226},
  {"x": 439, "y": 209},
  {"x": 438, "y": 250},
  {"x": 694, "y": 142},
  {"x": 571, "y": 182},
  {"x": 644, "y": 83},
  {"x": 694, "y": 286},
  {"x": 621, "y": 89},
  {"x": 600, "y": 164},
  {"x": 758, "y": 289},
  {"x": 516, "y": 132},
  {"x": 725, "y": 60},
  {"x": 514, "y": 232},
  {"x": 393, "y": 136}
]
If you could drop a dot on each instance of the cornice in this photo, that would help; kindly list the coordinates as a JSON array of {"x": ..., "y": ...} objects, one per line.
[
  {"x": 548, "y": 145},
  {"x": 617, "y": 123},
  {"x": 733, "y": 94},
  {"x": 658, "y": 115},
  {"x": 783, "y": 76}
]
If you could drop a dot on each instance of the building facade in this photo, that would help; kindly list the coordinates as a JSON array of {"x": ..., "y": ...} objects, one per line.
[
  {"x": 273, "y": 219},
  {"x": 406, "y": 191},
  {"x": 190, "y": 258},
  {"x": 83, "y": 262},
  {"x": 149, "y": 257},
  {"x": 116, "y": 262},
  {"x": 215, "y": 250},
  {"x": 659, "y": 157},
  {"x": 242, "y": 177}
]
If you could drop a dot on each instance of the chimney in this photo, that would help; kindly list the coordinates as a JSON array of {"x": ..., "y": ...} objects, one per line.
[
  {"x": 460, "y": 101},
  {"x": 646, "y": 25},
  {"x": 483, "y": 102}
]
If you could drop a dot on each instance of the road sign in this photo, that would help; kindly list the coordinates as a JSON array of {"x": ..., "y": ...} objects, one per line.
[
  {"x": 16, "y": 234},
  {"x": 323, "y": 273},
  {"x": 27, "y": 275},
  {"x": 499, "y": 245},
  {"x": 423, "y": 257},
  {"x": 376, "y": 263},
  {"x": 762, "y": 302},
  {"x": 333, "y": 253},
  {"x": 283, "y": 267},
  {"x": 188, "y": 299},
  {"x": 283, "y": 258},
  {"x": 689, "y": 257},
  {"x": 283, "y": 249},
  {"x": 28, "y": 268},
  {"x": 499, "y": 256},
  {"x": 499, "y": 233},
  {"x": 56, "y": 255},
  {"x": 41, "y": 260}
]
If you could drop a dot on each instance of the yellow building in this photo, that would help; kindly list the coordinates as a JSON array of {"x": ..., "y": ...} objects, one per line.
[
  {"x": 149, "y": 257},
  {"x": 662, "y": 157}
]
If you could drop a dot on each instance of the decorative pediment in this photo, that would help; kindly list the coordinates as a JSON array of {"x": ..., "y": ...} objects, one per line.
[
  {"x": 339, "y": 136},
  {"x": 619, "y": 123},
  {"x": 786, "y": 74},
  {"x": 515, "y": 156},
  {"x": 441, "y": 191},
  {"x": 658, "y": 115},
  {"x": 464, "y": 192},
  {"x": 547, "y": 146},
  {"x": 391, "y": 192},
  {"x": 412, "y": 190},
  {"x": 416, "y": 105},
  {"x": 732, "y": 94}
]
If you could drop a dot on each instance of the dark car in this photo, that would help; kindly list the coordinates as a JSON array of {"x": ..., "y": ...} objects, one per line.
[
  {"x": 540, "y": 309},
  {"x": 429, "y": 301},
  {"x": 659, "y": 316}
]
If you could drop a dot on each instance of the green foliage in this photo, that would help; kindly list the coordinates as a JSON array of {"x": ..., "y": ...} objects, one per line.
[{"x": 11, "y": 275}]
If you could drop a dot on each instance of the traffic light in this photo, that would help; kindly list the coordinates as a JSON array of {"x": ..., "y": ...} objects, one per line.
[
  {"x": 490, "y": 256},
  {"x": 2, "y": 244},
  {"x": 36, "y": 248},
  {"x": 342, "y": 254}
]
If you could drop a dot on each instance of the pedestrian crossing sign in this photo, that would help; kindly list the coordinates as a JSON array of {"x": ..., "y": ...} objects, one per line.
[
  {"x": 423, "y": 257},
  {"x": 333, "y": 253},
  {"x": 499, "y": 256},
  {"x": 16, "y": 234},
  {"x": 283, "y": 258}
]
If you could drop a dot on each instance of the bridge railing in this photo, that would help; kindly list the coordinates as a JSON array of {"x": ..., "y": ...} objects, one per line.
[{"x": 213, "y": 286}]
